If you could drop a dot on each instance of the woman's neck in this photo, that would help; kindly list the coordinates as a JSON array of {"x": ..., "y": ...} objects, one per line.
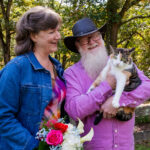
[
  {"x": 41, "y": 54},
  {"x": 45, "y": 62}
]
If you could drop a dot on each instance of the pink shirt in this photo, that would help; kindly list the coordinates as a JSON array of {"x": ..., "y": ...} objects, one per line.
[
  {"x": 109, "y": 134},
  {"x": 52, "y": 110}
]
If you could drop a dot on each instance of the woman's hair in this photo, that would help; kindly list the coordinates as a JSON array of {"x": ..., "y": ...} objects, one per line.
[{"x": 33, "y": 21}]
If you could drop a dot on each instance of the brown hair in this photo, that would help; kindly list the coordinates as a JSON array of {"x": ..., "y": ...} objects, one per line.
[{"x": 33, "y": 21}]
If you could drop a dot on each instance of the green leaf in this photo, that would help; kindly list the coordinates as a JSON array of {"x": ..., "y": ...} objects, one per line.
[{"x": 42, "y": 146}]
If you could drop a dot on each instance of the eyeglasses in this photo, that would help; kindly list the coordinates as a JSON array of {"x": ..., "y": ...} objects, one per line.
[{"x": 85, "y": 40}]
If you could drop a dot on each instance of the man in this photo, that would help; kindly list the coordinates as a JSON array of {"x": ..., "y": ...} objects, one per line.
[{"x": 109, "y": 134}]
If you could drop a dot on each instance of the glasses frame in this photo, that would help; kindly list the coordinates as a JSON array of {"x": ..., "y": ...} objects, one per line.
[{"x": 86, "y": 39}]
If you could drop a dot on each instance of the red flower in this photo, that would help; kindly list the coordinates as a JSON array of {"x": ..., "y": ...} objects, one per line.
[
  {"x": 61, "y": 126},
  {"x": 50, "y": 123},
  {"x": 54, "y": 137}
]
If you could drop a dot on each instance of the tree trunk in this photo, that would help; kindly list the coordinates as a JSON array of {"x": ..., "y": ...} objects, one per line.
[
  {"x": 111, "y": 34},
  {"x": 64, "y": 61},
  {"x": 113, "y": 23},
  {"x": 6, "y": 53},
  {"x": 5, "y": 38}
]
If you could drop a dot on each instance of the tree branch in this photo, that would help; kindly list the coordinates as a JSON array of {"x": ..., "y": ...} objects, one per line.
[
  {"x": 142, "y": 37},
  {"x": 125, "y": 7},
  {"x": 136, "y": 17},
  {"x": 130, "y": 36},
  {"x": 135, "y": 2},
  {"x": 128, "y": 4}
]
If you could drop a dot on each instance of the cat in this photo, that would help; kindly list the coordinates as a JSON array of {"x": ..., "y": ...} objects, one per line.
[{"x": 119, "y": 61}]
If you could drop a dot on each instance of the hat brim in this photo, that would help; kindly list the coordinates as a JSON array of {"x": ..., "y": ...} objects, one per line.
[{"x": 70, "y": 40}]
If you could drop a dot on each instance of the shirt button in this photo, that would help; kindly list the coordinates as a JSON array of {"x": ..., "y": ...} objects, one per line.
[
  {"x": 116, "y": 130},
  {"x": 116, "y": 145}
]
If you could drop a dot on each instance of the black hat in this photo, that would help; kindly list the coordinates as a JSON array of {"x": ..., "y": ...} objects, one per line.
[{"x": 81, "y": 28}]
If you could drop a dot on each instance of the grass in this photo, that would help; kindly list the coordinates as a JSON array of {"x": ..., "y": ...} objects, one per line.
[{"x": 142, "y": 146}]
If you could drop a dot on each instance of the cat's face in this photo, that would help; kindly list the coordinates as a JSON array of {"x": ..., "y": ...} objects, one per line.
[{"x": 121, "y": 56}]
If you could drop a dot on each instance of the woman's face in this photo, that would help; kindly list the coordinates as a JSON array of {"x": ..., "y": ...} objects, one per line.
[{"x": 47, "y": 40}]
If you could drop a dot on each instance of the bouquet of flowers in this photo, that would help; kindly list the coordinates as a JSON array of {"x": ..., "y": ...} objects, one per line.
[{"x": 56, "y": 135}]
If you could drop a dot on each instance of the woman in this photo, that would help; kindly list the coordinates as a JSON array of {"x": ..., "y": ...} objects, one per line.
[{"x": 32, "y": 84}]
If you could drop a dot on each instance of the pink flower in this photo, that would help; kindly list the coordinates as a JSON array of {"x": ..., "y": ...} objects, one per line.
[{"x": 54, "y": 137}]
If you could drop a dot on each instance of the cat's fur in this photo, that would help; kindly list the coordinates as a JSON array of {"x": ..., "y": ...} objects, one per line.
[{"x": 120, "y": 60}]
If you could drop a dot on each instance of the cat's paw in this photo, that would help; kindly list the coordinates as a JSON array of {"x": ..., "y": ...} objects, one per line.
[
  {"x": 115, "y": 104},
  {"x": 125, "y": 113}
]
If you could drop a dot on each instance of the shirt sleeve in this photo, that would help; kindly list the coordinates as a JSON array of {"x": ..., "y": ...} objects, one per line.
[
  {"x": 10, "y": 127},
  {"x": 80, "y": 104},
  {"x": 139, "y": 95}
]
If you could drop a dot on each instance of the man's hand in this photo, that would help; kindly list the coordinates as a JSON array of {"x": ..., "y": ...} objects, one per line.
[{"x": 107, "y": 108}]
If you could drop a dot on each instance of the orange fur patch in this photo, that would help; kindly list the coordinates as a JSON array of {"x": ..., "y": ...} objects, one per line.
[{"x": 127, "y": 110}]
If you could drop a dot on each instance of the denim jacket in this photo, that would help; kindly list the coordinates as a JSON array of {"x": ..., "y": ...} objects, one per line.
[{"x": 25, "y": 91}]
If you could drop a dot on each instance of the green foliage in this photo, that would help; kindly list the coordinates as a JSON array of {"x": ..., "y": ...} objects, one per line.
[
  {"x": 42, "y": 146},
  {"x": 136, "y": 33},
  {"x": 130, "y": 33},
  {"x": 142, "y": 119},
  {"x": 142, "y": 147}
]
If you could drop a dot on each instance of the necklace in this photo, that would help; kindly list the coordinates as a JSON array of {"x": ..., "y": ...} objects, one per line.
[{"x": 55, "y": 75}]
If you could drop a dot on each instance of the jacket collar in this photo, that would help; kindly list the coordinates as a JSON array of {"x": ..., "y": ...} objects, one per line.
[{"x": 35, "y": 63}]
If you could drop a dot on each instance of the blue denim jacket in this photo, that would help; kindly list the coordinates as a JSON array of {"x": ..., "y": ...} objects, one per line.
[{"x": 25, "y": 91}]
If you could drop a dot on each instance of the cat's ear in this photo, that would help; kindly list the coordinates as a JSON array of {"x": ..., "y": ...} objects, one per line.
[
  {"x": 112, "y": 49},
  {"x": 131, "y": 50}
]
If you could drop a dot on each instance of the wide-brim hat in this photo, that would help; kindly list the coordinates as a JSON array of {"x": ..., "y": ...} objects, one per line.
[{"x": 81, "y": 28}]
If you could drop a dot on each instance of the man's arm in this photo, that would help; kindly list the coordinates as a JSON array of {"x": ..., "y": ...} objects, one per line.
[
  {"x": 139, "y": 95},
  {"x": 79, "y": 104},
  {"x": 131, "y": 99}
]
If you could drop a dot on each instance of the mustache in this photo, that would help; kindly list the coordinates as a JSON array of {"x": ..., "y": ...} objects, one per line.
[{"x": 93, "y": 45}]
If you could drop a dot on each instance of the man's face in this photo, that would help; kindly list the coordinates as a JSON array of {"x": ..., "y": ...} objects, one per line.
[
  {"x": 93, "y": 53},
  {"x": 89, "y": 42}
]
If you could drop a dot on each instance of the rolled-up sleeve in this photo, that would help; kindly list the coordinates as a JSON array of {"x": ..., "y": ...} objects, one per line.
[
  {"x": 80, "y": 104},
  {"x": 139, "y": 95}
]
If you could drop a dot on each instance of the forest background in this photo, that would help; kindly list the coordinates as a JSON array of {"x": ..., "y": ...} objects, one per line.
[{"x": 126, "y": 23}]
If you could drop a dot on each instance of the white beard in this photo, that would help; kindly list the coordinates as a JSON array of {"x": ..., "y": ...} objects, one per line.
[{"x": 94, "y": 61}]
